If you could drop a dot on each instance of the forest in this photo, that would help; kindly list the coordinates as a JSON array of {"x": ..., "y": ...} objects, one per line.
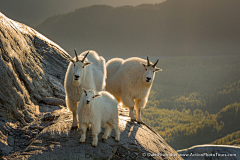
[{"x": 196, "y": 100}]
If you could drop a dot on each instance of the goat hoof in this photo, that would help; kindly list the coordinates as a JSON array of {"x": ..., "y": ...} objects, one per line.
[
  {"x": 74, "y": 128},
  {"x": 94, "y": 146},
  {"x": 104, "y": 139}
]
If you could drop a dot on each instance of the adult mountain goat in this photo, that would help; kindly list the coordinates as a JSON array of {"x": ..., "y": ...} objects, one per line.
[
  {"x": 88, "y": 72},
  {"x": 130, "y": 81},
  {"x": 98, "y": 110}
]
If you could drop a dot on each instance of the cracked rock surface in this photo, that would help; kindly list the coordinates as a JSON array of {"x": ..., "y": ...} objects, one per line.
[
  {"x": 34, "y": 121},
  {"x": 55, "y": 140}
]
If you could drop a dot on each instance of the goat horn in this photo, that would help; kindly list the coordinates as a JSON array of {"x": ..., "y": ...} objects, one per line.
[
  {"x": 155, "y": 64},
  {"x": 148, "y": 63},
  {"x": 76, "y": 54},
  {"x": 85, "y": 57}
]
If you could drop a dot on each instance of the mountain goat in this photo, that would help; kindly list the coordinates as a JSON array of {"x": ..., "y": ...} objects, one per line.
[
  {"x": 98, "y": 110},
  {"x": 83, "y": 72},
  {"x": 130, "y": 81}
]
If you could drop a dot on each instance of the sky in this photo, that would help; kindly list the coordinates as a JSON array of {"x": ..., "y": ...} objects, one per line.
[{"x": 33, "y": 12}]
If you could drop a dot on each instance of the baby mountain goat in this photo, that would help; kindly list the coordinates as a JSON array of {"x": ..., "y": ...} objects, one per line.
[
  {"x": 98, "y": 110},
  {"x": 83, "y": 72},
  {"x": 130, "y": 81}
]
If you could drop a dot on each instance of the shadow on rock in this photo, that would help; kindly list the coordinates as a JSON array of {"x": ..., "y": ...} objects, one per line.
[{"x": 58, "y": 141}]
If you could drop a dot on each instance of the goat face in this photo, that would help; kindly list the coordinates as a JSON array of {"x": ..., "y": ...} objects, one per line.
[
  {"x": 149, "y": 71},
  {"x": 78, "y": 67},
  {"x": 89, "y": 96}
]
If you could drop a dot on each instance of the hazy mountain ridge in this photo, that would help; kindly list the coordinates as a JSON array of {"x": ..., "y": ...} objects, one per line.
[
  {"x": 174, "y": 27},
  {"x": 33, "y": 12}
]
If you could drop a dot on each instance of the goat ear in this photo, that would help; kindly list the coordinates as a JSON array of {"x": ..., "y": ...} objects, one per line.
[
  {"x": 85, "y": 91},
  {"x": 157, "y": 69},
  {"x": 144, "y": 65},
  {"x": 87, "y": 63},
  {"x": 96, "y": 95}
]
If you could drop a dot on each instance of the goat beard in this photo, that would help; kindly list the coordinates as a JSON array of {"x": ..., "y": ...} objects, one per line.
[
  {"x": 76, "y": 82},
  {"x": 148, "y": 84}
]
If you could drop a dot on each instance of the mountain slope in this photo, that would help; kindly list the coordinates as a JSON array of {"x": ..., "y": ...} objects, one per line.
[
  {"x": 230, "y": 139},
  {"x": 197, "y": 127},
  {"x": 34, "y": 12},
  {"x": 174, "y": 27}
]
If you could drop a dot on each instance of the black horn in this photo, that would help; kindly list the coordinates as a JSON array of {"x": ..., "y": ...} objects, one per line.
[
  {"x": 76, "y": 54},
  {"x": 85, "y": 57},
  {"x": 155, "y": 64},
  {"x": 148, "y": 63}
]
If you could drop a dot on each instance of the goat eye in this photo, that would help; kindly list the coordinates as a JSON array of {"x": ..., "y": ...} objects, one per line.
[
  {"x": 93, "y": 97},
  {"x": 74, "y": 65},
  {"x": 86, "y": 94},
  {"x": 83, "y": 67}
]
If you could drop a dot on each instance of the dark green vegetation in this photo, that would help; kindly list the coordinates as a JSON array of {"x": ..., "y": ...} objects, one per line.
[
  {"x": 174, "y": 27},
  {"x": 230, "y": 139},
  {"x": 196, "y": 100}
]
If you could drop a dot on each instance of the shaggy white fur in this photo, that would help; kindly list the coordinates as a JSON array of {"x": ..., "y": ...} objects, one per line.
[
  {"x": 130, "y": 81},
  {"x": 90, "y": 73},
  {"x": 98, "y": 110}
]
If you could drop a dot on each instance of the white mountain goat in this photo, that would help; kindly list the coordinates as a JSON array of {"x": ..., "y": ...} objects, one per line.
[
  {"x": 81, "y": 74},
  {"x": 130, "y": 81},
  {"x": 98, "y": 110}
]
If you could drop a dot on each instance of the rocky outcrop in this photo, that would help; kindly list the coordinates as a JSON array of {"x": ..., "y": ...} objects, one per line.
[
  {"x": 211, "y": 152},
  {"x": 34, "y": 121},
  {"x": 32, "y": 67},
  {"x": 57, "y": 141}
]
